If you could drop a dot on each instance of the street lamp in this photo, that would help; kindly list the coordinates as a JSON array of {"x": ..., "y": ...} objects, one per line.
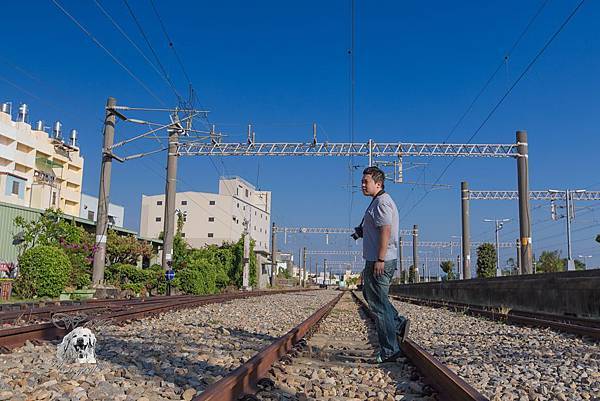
[
  {"x": 499, "y": 226},
  {"x": 458, "y": 269},
  {"x": 585, "y": 257}
]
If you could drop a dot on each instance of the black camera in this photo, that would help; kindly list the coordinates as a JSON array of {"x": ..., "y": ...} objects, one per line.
[{"x": 358, "y": 233}]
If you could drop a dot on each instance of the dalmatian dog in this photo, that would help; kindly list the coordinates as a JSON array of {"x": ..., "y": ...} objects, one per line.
[{"x": 77, "y": 346}]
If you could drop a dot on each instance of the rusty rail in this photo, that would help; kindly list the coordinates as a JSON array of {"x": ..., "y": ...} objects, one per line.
[
  {"x": 448, "y": 384},
  {"x": 244, "y": 379},
  {"x": 585, "y": 327},
  {"x": 17, "y": 336}
]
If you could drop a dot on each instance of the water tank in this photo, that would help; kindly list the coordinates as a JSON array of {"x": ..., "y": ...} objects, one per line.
[
  {"x": 6, "y": 108},
  {"x": 23, "y": 112},
  {"x": 74, "y": 137},
  {"x": 39, "y": 125},
  {"x": 56, "y": 131}
]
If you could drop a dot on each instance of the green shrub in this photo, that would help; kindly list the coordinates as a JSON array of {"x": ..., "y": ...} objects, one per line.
[{"x": 43, "y": 272}]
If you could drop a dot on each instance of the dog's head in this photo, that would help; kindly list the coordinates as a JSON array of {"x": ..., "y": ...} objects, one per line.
[{"x": 78, "y": 346}]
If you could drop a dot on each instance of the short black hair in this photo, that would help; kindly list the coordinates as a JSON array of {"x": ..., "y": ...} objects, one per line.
[{"x": 376, "y": 174}]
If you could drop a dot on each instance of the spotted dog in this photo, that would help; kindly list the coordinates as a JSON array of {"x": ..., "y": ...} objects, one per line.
[{"x": 77, "y": 346}]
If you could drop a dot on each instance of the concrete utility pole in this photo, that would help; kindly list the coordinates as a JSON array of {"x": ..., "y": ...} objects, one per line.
[
  {"x": 416, "y": 252},
  {"x": 569, "y": 216},
  {"x": 466, "y": 240},
  {"x": 170, "y": 192},
  {"x": 273, "y": 253},
  {"x": 400, "y": 264},
  {"x": 499, "y": 225},
  {"x": 303, "y": 281},
  {"x": 524, "y": 210},
  {"x": 103, "y": 194},
  {"x": 325, "y": 272},
  {"x": 246, "y": 269},
  {"x": 519, "y": 265}
]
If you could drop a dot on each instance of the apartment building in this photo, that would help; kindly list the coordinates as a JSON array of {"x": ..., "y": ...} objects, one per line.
[
  {"x": 211, "y": 218},
  {"x": 38, "y": 170},
  {"x": 88, "y": 209}
]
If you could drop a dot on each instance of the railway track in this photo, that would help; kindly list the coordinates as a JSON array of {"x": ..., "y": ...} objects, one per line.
[
  {"x": 568, "y": 324},
  {"x": 104, "y": 311},
  {"x": 329, "y": 356}
]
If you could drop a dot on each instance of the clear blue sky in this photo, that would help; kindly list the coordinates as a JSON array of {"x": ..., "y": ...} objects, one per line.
[{"x": 283, "y": 65}]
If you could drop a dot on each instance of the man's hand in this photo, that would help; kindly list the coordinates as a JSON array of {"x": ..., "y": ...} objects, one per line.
[{"x": 378, "y": 268}]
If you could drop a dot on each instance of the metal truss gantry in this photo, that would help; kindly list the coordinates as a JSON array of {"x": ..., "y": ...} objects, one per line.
[
  {"x": 369, "y": 149},
  {"x": 534, "y": 195}
]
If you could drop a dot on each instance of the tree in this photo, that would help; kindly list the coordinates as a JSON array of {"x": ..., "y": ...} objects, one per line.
[
  {"x": 486, "y": 260},
  {"x": 550, "y": 261},
  {"x": 447, "y": 267},
  {"x": 412, "y": 274},
  {"x": 126, "y": 249},
  {"x": 579, "y": 265}
]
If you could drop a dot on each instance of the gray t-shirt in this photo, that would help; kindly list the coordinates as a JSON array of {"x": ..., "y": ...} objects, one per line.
[{"x": 381, "y": 212}]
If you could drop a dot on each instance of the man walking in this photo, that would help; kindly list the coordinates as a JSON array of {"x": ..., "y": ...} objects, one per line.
[{"x": 380, "y": 249}]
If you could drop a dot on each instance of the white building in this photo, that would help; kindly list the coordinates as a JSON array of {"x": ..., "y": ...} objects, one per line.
[
  {"x": 38, "y": 170},
  {"x": 215, "y": 218},
  {"x": 89, "y": 209}
]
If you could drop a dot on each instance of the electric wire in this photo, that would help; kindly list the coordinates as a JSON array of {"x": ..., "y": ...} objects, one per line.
[
  {"x": 112, "y": 56},
  {"x": 505, "y": 95},
  {"x": 157, "y": 59}
]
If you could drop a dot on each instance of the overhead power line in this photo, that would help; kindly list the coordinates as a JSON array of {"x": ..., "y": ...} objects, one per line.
[
  {"x": 506, "y": 94},
  {"x": 112, "y": 56}
]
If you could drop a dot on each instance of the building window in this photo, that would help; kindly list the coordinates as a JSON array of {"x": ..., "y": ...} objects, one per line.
[
  {"x": 233, "y": 218},
  {"x": 90, "y": 215},
  {"x": 158, "y": 219},
  {"x": 211, "y": 203},
  {"x": 211, "y": 219},
  {"x": 211, "y": 235},
  {"x": 244, "y": 207},
  {"x": 182, "y": 235},
  {"x": 247, "y": 193},
  {"x": 53, "y": 198},
  {"x": 255, "y": 212},
  {"x": 15, "y": 188},
  {"x": 238, "y": 205},
  {"x": 184, "y": 218},
  {"x": 158, "y": 203},
  {"x": 183, "y": 203}
]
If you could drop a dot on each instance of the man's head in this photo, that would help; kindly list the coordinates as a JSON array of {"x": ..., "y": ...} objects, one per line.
[{"x": 372, "y": 181}]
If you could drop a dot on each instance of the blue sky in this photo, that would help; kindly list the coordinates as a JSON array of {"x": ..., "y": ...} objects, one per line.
[{"x": 283, "y": 65}]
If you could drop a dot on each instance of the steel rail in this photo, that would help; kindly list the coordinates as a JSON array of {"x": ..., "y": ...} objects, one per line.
[
  {"x": 449, "y": 385},
  {"x": 245, "y": 378},
  {"x": 573, "y": 325},
  {"x": 17, "y": 336}
]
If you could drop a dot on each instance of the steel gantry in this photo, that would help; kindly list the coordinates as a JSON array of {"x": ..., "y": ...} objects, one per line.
[
  {"x": 373, "y": 149},
  {"x": 568, "y": 196}
]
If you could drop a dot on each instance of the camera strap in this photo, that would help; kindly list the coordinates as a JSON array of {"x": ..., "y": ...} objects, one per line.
[{"x": 372, "y": 200}]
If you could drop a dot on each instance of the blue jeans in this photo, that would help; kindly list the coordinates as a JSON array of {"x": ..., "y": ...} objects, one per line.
[{"x": 388, "y": 323}]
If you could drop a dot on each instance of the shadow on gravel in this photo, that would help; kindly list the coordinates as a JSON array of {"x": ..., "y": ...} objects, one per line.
[{"x": 183, "y": 360}]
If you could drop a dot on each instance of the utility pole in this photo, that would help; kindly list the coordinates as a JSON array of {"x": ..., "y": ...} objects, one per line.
[
  {"x": 524, "y": 210},
  {"x": 325, "y": 272},
  {"x": 246, "y": 261},
  {"x": 170, "y": 192},
  {"x": 568, "y": 194},
  {"x": 466, "y": 240},
  {"x": 416, "y": 252},
  {"x": 519, "y": 265},
  {"x": 499, "y": 225},
  {"x": 400, "y": 264},
  {"x": 103, "y": 195},
  {"x": 303, "y": 281},
  {"x": 273, "y": 253}
]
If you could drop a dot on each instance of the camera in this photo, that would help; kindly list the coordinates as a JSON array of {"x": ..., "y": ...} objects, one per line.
[{"x": 358, "y": 233}]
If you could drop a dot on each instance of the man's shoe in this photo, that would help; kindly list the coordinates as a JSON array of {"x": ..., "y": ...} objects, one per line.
[
  {"x": 404, "y": 331},
  {"x": 392, "y": 358}
]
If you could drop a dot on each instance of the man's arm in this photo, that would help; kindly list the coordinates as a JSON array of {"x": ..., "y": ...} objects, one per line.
[{"x": 385, "y": 232}]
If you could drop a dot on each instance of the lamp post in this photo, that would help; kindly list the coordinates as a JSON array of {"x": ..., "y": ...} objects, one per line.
[
  {"x": 458, "y": 269},
  {"x": 499, "y": 225},
  {"x": 585, "y": 257},
  {"x": 569, "y": 216}
]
